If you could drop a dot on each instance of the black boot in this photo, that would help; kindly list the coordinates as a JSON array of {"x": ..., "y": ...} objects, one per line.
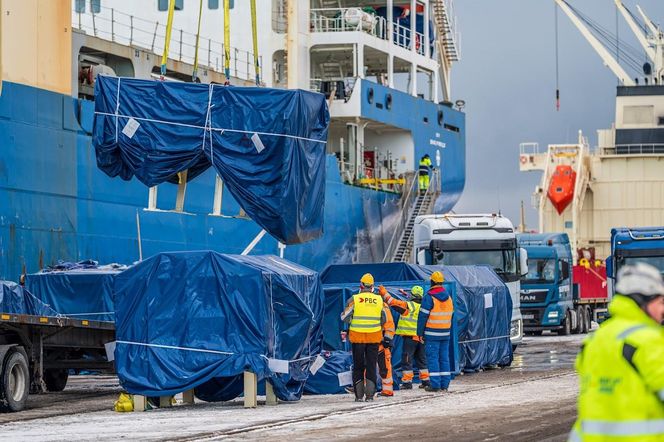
[
  {"x": 430, "y": 389},
  {"x": 359, "y": 391},
  {"x": 407, "y": 386},
  {"x": 425, "y": 384},
  {"x": 370, "y": 391}
]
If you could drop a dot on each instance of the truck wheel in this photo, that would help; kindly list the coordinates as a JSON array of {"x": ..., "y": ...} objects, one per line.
[
  {"x": 14, "y": 382},
  {"x": 587, "y": 314},
  {"x": 56, "y": 380},
  {"x": 581, "y": 320},
  {"x": 567, "y": 325}
]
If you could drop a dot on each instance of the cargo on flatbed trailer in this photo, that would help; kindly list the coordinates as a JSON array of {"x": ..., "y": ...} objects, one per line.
[{"x": 37, "y": 352}]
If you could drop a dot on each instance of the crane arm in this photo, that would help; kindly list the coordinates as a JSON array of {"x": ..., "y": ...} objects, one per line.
[
  {"x": 653, "y": 29},
  {"x": 596, "y": 45},
  {"x": 636, "y": 30}
]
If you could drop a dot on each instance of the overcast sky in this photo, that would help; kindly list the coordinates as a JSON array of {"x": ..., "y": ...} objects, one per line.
[{"x": 507, "y": 78}]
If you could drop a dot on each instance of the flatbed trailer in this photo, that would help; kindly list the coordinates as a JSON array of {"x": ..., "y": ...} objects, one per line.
[{"x": 37, "y": 352}]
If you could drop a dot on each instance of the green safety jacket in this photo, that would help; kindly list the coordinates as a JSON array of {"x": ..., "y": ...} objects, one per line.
[
  {"x": 621, "y": 372},
  {"x": 408, "y": 323}
]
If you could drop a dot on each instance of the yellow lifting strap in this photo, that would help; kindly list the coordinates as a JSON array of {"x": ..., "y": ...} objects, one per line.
[
  {"x": 194, "y": 75},
  {"x": 255, "y": 37},
  {"x": 167, "y": 41},
  {"x": 227, "y": 39}
]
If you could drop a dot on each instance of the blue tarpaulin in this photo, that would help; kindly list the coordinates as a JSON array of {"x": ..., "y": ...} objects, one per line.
[
  {"x": 483, "y": 312},
  {"x": 17, "y": 300},
  {"x": 351, "y": 273},
  {"x": 86, "y": 293},
  {"x": 189, "y": 319},
  {"x": 326, "y": 380},
  {"x": 268, "y": 145}
]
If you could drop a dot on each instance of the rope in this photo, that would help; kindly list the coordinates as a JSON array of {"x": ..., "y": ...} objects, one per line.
[
  {"x": 255, "y": 38},
  {"x": 557, "y": 62},
  {"x": 227, "y": 40},
  {"x": 194, "y": 75},
  {"x": 167, "y": 41}
]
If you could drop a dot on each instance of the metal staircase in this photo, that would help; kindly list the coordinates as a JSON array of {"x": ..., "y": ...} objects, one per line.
[
  {"x": 446, "y": 34},
  {"x": 414, "y": 204}
]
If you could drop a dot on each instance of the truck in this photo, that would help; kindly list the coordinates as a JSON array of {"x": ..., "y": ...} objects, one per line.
[
  {"x": 556, "y": 295},
  {"x": 475, "y": 239},
  {"x": 37, "y": 352},
  {"x": 637, "y": 244}
]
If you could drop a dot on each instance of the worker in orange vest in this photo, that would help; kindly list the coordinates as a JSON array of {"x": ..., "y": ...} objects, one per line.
[
  {"x": 385, "y": 354},
  {"x": 434, "y": 323},
  {"x": 366, "y": 316}
]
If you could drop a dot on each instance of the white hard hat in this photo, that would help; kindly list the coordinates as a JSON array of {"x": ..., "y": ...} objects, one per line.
[{"x": 640, "y": 279}]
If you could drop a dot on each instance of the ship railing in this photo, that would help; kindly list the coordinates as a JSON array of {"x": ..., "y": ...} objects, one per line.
[
  {"x": 633, "y": 149},
  {"x": 402, "y": 38},
  {"x": 125, "y": 29},
  {"x": 529, "y": 149},
  {"x": 406, "y": 205},
  {"x": 377, "y": 178},
  {"x": 334, "y": 20},
  {"x": 317, "y": 85}
]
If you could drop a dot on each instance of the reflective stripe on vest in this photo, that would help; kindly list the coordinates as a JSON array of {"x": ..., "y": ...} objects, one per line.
[
  {"x": 408, "y": 323},
  {"x": 368, "y": 308},
  {"x": 627, "y": 428}
]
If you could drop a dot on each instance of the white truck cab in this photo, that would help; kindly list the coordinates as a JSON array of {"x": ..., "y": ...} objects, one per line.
[{"x": 483, "y": 239}]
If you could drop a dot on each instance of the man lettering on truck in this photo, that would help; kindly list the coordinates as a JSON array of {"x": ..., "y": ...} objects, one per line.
[
  {"x": 364, "y": 312},
  {"x": 621, "y": 366}
]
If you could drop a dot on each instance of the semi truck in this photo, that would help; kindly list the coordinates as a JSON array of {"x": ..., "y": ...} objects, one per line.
[
  {"x": 631, "y": 245},
  {"x": 482, "y": 239},
  {"x": 556, "y": 295}
]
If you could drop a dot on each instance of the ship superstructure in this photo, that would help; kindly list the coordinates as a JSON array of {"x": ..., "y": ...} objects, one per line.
[
  {"x": 384, "y": 70},
  {"x": 621, "y": 181}
]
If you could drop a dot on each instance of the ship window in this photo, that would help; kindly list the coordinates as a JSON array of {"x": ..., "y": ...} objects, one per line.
[
  {"x": 95, "y": 6},
  {"x": 162, "y": 5},
  {"x": 79, "y": 6},
  {"x": 213, "y": 4}
]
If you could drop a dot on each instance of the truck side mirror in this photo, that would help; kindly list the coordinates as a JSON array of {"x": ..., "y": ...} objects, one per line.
[
  {"x": 523, "y": 262},
  {"x": 609, "y": 267}
]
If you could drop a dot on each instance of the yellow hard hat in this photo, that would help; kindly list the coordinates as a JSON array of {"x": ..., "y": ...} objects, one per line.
[
  {"x": 437, "y": 277},
  {"x": 367, "y": 279}
]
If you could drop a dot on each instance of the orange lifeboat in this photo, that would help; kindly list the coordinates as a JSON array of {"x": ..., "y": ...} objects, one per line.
[{"x": 561, "y": 189}]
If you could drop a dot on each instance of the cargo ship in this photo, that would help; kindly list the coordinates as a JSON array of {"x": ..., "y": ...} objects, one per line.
[{"x": 384, "y": 68}]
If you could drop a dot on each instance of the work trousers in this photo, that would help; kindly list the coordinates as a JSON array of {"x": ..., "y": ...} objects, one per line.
[
  {"x": 438, "y": 361},
  {"x": 365, "y": 358},
  {"x": 424, "y": 182},
  {"x": 413, "y": 351},
  {"x": 385, "y": 370}
]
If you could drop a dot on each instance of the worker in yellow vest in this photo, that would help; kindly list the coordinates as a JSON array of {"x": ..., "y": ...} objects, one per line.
[
  {"x": 621, "y": 365},
  {"x": 423, "y": 172},
  {"x": 364, "y": 312},
  {"x": 413, "y": 345}
]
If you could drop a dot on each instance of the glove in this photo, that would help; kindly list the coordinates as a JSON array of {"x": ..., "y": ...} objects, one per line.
[
  {"x": 382, "y": 291},
  {"x": 387, "y": 342}
]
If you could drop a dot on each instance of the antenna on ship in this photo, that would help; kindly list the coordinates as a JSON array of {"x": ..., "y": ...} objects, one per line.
[{"x": 557, "y": 64}]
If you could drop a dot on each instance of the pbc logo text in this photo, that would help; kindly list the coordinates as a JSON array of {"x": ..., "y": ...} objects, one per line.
[{"x": 368, "y": 300}]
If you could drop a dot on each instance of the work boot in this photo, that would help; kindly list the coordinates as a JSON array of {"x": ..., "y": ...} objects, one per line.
[
  {"x": 386, "y": 393},
  {"x": 430, "y": 389},
  {"x": 407, "y": 386},
  {"x": 425, "y": 384},
  {"x": 369, "y": 391},
  {"x": 359, "y": 391}
]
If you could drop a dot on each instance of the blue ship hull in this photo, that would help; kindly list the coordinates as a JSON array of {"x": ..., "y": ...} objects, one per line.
[{"x": 55, "y": 204}]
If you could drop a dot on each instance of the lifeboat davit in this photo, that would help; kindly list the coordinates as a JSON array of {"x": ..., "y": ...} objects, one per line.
[{"x": 561, "y": 189}]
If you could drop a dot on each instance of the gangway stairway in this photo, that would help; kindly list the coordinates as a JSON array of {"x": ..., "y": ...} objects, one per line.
[{"x": 400, "y": 248}]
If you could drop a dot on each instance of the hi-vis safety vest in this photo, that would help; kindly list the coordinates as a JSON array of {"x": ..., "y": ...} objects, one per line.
[
  {"x": 408, "y": 323},
  {"x": 367, "y": 312},
  {"x": 621, "y": 369},
  {"x": 440, "y": 318}
]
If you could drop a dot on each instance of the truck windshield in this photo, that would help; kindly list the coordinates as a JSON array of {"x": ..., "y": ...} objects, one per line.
[
  {"x": 503, "y": 262},
  {"x": 540, "y": 271},
  {"x": 656, "y": 261}
]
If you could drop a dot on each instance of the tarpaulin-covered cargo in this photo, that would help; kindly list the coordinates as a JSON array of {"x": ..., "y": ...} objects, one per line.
[
  {"x": 187, "y": 319},
  {"x": 483, "y": 312},
  {"x": 82, "y": 293},
  {"x": 268, "y": 145},
  {"x": 17, "y": 300},
  {"x": 326, "y": 380}
]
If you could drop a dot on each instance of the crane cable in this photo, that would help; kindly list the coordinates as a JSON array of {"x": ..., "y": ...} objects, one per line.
[
  {"x": 194, "y": 74},
  {"x": 557, "y": 62},
  {"x": 255, "y": 38},
  {"x": 167, "y": 41},
  {"x": 227, "y": 40}
]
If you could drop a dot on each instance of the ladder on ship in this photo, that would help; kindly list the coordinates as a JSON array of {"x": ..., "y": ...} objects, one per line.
[{"x": 414, "y": 204}]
